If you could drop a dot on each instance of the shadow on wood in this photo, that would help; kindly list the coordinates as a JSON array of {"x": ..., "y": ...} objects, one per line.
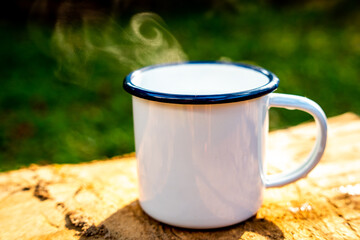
[{"x": 130, "y": 222}]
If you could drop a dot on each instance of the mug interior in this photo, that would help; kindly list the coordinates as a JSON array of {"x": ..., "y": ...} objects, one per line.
[{"x": 199, "y": 79}]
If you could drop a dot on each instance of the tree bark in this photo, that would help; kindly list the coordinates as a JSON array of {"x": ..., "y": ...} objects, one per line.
[{"x": 98, "y": 200}]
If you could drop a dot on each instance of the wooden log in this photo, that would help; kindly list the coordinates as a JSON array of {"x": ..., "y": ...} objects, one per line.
[{"x": 98, "y": 200}]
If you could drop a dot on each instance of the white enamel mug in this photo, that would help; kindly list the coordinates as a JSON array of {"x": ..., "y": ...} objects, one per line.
[{"x": 200, "y": 137}]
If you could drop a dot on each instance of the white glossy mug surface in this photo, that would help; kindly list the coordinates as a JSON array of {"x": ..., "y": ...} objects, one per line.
[{"x": 200, "y": 136}]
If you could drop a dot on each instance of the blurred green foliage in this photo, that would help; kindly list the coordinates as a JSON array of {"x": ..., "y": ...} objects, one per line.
[{"x": 47, "y": 118}]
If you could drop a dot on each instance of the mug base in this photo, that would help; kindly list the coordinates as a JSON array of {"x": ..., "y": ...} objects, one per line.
[{"x": 197, "y": 224}]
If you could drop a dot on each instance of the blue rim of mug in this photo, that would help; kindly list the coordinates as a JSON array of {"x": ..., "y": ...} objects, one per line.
[{"x": 140, "y": 92}]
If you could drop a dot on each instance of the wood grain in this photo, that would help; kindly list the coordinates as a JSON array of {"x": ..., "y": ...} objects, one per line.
[{"x": 98, "y": 200}]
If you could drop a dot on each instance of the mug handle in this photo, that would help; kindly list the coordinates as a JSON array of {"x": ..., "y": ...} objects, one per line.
[{"x": 301, "y": 103}]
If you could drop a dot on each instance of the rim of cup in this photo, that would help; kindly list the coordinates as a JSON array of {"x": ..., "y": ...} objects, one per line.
[{"x": 200, "y": 82}]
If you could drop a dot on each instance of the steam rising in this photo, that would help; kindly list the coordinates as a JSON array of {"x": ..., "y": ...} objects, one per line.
[
  {"x": 85, "y": 40},
  {"x": 147, "y": 30}
]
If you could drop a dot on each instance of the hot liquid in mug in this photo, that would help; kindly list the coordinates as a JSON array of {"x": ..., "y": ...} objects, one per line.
[{"x": 200, "y": 137}]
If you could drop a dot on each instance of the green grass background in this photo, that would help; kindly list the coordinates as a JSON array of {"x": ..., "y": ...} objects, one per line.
[{"x": 52, "y": 115}]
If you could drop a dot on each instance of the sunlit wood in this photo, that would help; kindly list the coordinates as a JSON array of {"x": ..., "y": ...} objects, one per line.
[{"x": 98, "y": 200}]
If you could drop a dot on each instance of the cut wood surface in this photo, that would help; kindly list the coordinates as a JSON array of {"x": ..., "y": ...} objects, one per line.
[{"x": 98, "y": 200}]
